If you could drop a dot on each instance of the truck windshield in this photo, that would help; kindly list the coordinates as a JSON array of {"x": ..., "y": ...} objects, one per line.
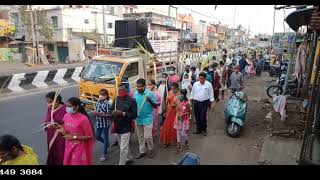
[{"x": 102, "y": 71}]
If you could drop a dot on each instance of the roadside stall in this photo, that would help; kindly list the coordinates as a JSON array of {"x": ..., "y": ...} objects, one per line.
[{"x": 291, "y": 107}]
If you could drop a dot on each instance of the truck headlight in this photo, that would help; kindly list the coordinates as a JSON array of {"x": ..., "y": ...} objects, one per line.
[{"x": 83, "y": 95}]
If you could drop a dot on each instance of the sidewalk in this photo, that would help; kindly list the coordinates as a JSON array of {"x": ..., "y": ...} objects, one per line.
[
  {"x": 9, "y": 68},
  {"x": 280, "y": 151}
]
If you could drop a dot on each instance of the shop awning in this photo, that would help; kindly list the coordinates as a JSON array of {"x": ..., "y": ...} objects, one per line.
[{"x": 299, "y": 18}]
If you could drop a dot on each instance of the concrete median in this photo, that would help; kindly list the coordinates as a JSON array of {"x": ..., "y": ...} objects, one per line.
[{"x": 21, "y": 82}]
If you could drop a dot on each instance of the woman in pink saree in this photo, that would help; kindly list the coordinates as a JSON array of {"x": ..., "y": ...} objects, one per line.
[
  {"x": 56, "y": 152},
  {"x": 79, "y": 135}
]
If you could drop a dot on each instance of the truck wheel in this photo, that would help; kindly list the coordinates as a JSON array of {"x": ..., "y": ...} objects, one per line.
[{"x": 233, "y": 129}]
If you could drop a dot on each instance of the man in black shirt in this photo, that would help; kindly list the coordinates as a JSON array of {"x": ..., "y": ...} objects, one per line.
[
  {"x": 123, "y": 116},
  {"x": 193, "y": 75}
]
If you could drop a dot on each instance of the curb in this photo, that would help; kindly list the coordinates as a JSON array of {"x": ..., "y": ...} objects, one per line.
[{"x": 22, "y": 82}]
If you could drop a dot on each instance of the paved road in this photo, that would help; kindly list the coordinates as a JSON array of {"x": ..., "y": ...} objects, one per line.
[{"x": 21, "y": 115}]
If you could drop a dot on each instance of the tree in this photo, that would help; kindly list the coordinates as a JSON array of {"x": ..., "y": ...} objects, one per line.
[{"x": 45, "y": 26}]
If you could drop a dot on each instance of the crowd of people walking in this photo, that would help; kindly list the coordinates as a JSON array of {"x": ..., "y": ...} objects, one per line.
[{"x": 167, "y": 108}]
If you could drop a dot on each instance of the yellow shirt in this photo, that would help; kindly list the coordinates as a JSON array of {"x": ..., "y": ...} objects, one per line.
[{"x": 29, "y": 158}]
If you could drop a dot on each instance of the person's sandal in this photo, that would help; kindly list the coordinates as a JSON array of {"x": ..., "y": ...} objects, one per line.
[
  {"x": 165, "y": 145},
  {"x": 103, "y": 158},
  {"x": 115, "y": 143},
  {"x": 141, "y": 155},
  {"x": 179, "y": 149},
  {"x": 151, "y": 154}
]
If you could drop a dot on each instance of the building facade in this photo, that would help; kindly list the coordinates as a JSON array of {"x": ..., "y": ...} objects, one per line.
[{"x": 78, "y": 30}]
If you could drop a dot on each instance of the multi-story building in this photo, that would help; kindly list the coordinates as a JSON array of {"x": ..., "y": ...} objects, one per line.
[
  {"x": 166, "y": 10},
  {"x": 119, "y": 10},
  {"x": 77, "y": 29},
  {"x": 185, "y": 23}
]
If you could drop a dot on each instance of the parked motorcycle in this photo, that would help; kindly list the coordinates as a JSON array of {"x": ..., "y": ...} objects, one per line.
[
  {"x": 277, "y": 89},
  {"x": 235, "y": 113},
  {"x": 277, "y": 70}
]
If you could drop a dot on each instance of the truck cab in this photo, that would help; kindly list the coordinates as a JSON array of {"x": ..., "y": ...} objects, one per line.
[{"x": 116, "y": 66}]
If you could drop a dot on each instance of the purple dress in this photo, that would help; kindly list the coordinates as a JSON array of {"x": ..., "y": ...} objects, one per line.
[{"x": 56, "y": 153}]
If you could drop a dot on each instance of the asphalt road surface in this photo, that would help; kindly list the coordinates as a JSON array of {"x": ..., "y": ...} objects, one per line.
[{"x": 20, "y": 115}]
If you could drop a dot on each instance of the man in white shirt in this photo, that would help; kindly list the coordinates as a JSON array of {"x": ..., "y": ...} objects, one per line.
[
  {"x": 202, "y": 98},
  {"x": 198, "y": 70},
  {"x": 188, "y": 61}
]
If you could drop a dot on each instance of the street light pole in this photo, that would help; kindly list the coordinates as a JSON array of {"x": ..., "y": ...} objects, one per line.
[
  {"x": 36, "y": 36},
  {"x": 234, "y": 23},
  {"x": 182, "y": 37},
  {"x": 33, "y": 33},
  {"x": 104, "y": 27}
]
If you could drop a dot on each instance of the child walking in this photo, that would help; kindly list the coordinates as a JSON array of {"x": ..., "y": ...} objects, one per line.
[
  {"x": 250, "y": 70},
  {"x": 182, "y": 122}
]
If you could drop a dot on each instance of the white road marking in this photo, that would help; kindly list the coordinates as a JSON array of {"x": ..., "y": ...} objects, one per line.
[{"x": 15, "y": 81}]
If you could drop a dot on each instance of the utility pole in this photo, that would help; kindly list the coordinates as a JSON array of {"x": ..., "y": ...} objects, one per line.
[
  {"x": 104, "y": 27},
  {"x": 292, "y": 49},
  {"x": 36, "y": 36},
  {"x": 33, "y": 33},
  {"x": 182, "y": 37},
  {"x": 234, "y": 24}
]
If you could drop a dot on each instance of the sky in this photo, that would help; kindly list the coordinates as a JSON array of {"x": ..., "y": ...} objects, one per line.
[{"x": 258, "y": 17}]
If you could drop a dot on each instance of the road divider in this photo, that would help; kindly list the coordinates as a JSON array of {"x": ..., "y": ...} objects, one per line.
[{"x": 22, "y": 82}]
